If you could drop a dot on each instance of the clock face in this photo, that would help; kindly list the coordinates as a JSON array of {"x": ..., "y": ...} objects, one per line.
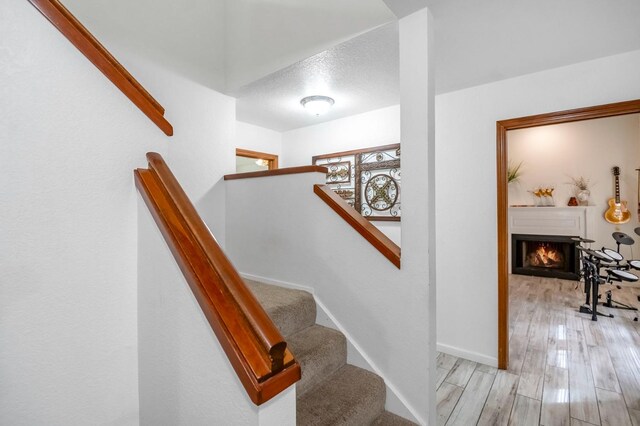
[{"x": 381, "y": 192}]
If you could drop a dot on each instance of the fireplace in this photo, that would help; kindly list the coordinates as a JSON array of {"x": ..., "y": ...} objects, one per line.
[{"x": 544, "y": 256}]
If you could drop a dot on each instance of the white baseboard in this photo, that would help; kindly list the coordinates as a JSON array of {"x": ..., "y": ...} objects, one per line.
[
  {"x": 395, "y": 402},
  {"x": 469, "y": 355},
  {"x": 276, "y": 282}
]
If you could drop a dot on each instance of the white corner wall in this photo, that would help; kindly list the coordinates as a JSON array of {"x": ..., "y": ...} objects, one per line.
[
  {"x": 369, "y": 129},
  {"x": 466, "y": 185},
  {"x": 295, "y": 237},
  {"x": 69, "y": 141},
  {"x": 185, "y": 376},
  {"x": 201, "y": 150},
  {"x": 256, "y": 138}
]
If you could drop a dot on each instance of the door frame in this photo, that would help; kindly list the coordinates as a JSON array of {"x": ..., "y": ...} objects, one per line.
[
  {"x": 271, "y": 158},
  {"x": 567, "y": 116}
]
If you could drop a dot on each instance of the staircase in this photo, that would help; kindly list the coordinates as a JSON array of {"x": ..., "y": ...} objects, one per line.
[{"x": 331, "y": 392}]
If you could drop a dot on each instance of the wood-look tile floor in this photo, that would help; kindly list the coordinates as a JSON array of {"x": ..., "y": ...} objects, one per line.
[{"x": 564, "y": 368}]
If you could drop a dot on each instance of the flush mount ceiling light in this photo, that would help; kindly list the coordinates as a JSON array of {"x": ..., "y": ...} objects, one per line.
[{"x": 317, "y": 105}]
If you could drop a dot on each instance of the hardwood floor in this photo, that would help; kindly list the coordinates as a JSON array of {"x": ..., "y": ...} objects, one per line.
[{"x": 564, "y": 368}]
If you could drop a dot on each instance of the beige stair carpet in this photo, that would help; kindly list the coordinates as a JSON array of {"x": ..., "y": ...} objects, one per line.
[{"x": 331, "y": 392}]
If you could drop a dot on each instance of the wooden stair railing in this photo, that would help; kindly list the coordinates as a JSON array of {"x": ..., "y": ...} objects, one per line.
[
  {"x": 256, "y": 349},
  {"x": 277, "y": 172},
  {"x": 91, "y": 48},
  {"x": 381, "y": 242}
]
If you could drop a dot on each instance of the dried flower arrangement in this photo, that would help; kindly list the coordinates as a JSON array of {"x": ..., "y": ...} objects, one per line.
[{"x": 581, "y": 183}]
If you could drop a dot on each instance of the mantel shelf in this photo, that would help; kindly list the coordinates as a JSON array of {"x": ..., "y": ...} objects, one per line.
[{"x": 556, "y": 220}]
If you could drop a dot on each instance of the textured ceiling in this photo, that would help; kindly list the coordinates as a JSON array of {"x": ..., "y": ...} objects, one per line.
[
  {"x": 264, "y": 36},
  {"x": 246, "y": 48},
  {"x": 476, "y": 42},
  {"x": 360, "y": 74},
  {"x": 402, "y": 8},
  {"x": 226, "y": 44}
]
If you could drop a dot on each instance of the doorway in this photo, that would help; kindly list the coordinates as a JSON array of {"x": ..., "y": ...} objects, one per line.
[{"x": 601, "y": 111}]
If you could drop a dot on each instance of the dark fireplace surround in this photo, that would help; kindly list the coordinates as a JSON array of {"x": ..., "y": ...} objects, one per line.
[{"x": 544, "y": 256}]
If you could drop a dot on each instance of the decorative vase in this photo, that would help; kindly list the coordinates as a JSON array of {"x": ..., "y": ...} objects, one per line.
[{"x": 583, "y": 197}]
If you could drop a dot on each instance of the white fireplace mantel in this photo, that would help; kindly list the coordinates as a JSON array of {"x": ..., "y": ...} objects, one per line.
[{"x": 576, "y": 221}]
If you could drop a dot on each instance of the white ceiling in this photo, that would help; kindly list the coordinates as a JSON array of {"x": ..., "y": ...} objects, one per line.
[
  {"x": 186, "y": 36},
  {"x": 226, "y": 44},
  {"x": 262, "y": 51},
  {"x": 477, "y": 42},
  {"x": 264, "y": 36},
  {"x": 360, "y": 74}
]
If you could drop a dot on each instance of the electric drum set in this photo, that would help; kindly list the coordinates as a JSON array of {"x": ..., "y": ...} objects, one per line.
[{"x": 606, "y": 266}]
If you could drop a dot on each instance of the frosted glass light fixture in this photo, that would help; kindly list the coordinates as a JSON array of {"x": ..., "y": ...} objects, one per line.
[{"x": 317, "y": 105}]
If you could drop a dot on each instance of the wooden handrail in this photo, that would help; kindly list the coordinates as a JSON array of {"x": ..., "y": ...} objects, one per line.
[
  {"x": 381, "y": 242},
  {"x": 91, "y": 48},
  {"x": 253, "y": 344},
  {"x": 277, "y": 172}
]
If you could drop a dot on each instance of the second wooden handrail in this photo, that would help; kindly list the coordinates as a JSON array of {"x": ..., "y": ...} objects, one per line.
[
  {"x": 252, "y": 342},
  {"x": 381, "y": 242},
  {"x": 277, "y": 172},
  {"x": 93, "y": 50}
]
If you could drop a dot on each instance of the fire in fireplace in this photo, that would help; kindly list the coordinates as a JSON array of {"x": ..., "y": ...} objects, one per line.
[{"x": 544, "y": 255}]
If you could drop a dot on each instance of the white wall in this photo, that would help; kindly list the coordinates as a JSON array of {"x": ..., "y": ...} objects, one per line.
[
  {"x": 69, "y": 141},
  {"x": 185, "y": 74},
  {"x": 553, "y": 154},
  {"x": 466, "y": 184},
  {"x": 374, "y": 128},
  {"x": 149, "y": 28},
  {"x": 417, "y": 127},
  {"x": 185, "y": 375},
  {"x": 68, "y": 288},
  {"x": 201, "y": 150},
  {"x": 297, "y": 238},
  {"x": 256, "y": 138}
]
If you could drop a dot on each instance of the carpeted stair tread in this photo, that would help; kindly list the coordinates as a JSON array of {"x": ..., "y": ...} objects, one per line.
[
  {"x": 330, "y": 392},
  {"x": 320, "y": 351},
  {"x": 351, "y": 397},
  {"x": 390, "y": 419},
  {"x": 290, "y": 310}
]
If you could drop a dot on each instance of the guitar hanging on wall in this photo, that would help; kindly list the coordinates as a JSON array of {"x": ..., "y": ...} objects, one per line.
[
  {"x": 638, "y": 170},
  {"x": 617, "y": 212}
]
